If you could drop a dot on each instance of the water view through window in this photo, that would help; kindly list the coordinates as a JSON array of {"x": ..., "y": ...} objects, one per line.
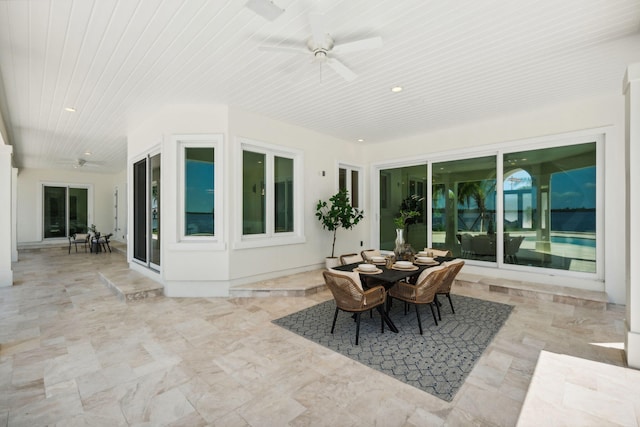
[{"x": 548, "y": 216}]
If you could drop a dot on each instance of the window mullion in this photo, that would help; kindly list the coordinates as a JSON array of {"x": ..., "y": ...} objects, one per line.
[{"x": 269, "y": 195}]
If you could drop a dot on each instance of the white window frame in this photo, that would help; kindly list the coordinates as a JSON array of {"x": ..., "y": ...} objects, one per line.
[
  {"x": 349, "y": 169},
  {"x": 215, "y": 141},
  {"x": 270, "y": 237},
  {"x": 598, "y": 135}
]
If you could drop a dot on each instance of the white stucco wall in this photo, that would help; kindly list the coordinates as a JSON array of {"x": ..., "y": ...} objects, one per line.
[
  {"x": 197, "y": 269},
  {"x": 29, "y": 200},
  {"x": 593, "y": 113}
]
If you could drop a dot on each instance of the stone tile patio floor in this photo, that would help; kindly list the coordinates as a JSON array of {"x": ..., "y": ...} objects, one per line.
[{"x": 72, "y": 353}]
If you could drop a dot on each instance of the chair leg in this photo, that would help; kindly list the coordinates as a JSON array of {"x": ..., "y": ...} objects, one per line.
[
  {"x": 437, "y": 306},
  {"x": 335, "y": 316},
  {"x": 434, "y": 314},
  {"x": 451, "y": 303},
  {"x": 418, "y": 316},
  {"x": 357, "y": 327}
]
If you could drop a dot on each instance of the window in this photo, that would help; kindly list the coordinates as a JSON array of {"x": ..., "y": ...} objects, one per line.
[
  {"x": 271, "y": 201},
  {"x": 65, "y": 210},
  {"x": 199, "y": 187},
  {"x": 349, "y": 179},
  {"x": 463, "y": 212},
  {"x": 550, "y": 207},
  {"x": 517, "y": 209}
]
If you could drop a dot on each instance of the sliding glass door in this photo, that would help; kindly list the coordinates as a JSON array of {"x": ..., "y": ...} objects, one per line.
[
  {"x": 146, "y": 211},
  {"x": 65, "y": 211},
  {"x": 403, "y": 189}
]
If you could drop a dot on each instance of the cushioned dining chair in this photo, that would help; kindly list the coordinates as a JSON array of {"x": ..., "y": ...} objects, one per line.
[
  {"x": 453, "y": 268},
  {"x": 423, "y": 292},
  {"x": 78, "y": 239},
  {"x": 350, "y": 258},
  {"x": 369, "y": 253},
  {"x": 347, "y": 291}
]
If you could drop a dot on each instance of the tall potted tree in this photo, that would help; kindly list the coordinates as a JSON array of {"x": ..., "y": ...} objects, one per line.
[{"x": 334, "y": 214}]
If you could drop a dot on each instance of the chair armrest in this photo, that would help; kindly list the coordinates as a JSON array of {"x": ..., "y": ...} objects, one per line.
[{"x": 374, "y": 296}]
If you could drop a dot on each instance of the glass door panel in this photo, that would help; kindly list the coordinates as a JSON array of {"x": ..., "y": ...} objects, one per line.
[
  {"x": 403, "y": 189},
  {"x": 155, "y": 210},
  {"x": 55, "y": 208},
  {"x": 140, "y": 210},
  {"x": 463, "y": 207},
  {"x": 78, "y": 209}
]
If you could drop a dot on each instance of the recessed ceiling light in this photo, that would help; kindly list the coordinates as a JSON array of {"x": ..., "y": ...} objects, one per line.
[
  {"x": 70, "y": 109},
  {"x": 396, "y": 89},
  {"x": 360, "y": 140},
  {"x": 87, "y": 153}
]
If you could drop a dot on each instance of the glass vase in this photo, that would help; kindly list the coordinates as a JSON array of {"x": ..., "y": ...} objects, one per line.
[{"x": 399, "y": 248}]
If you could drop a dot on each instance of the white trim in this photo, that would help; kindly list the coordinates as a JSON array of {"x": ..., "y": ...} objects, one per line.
[
  {"x": 270, "y": 238},
  {"x": 215, "y": 141}
]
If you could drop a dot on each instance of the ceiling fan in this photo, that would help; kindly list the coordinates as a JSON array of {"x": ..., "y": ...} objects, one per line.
[
  {"x": 322, "y": 47},
  {"x": 81, "y": 163}
]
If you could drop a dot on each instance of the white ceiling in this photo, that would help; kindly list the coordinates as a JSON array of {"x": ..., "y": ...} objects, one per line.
[{"x": 458, "y": 61}]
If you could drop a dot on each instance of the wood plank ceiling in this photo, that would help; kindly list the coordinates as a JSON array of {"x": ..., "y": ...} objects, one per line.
[{"x": 458, "y": 61}]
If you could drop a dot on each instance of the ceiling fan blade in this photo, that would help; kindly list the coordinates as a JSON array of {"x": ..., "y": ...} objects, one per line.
[
  {"x": 284, "y": 49},
  {"x": 341, "y": 69},
  {"x": 318, "y": 28},
  {"x": 364, "y": 44}
]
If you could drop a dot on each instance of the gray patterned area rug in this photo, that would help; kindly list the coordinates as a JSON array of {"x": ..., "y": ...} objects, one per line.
[{"x": 437, "y": 362}]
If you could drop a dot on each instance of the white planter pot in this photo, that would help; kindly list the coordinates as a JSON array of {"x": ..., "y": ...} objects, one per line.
[{"x": 331, "y": 262}]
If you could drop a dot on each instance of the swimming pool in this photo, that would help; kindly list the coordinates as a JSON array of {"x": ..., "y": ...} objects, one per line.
[{"x": 581, "y": 241}]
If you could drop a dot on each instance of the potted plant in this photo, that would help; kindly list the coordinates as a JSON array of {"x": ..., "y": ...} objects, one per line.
[
  {"x": 335, "y": 214},
  {"x": 405, "y": 218}
]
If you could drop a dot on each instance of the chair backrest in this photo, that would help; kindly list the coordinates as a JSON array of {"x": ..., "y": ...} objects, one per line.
[
  {"x": 465, "y": 242},
  {"x": 439, "y": 252},
  {"x": 428, "y": 283},
  {"x": 368, "y": 253},
  {"x": 81, "y": 237},
  {"x": 453, "y": 268},
  {"x": 347, "y": 293},
  {"x": 350, "y": 258},
  {"x": 512, "y": 245}
]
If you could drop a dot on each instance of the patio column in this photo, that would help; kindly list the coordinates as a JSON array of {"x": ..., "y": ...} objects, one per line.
[
  {"x": 631, "y": 90},
  {"x": 6, "y": 191}
]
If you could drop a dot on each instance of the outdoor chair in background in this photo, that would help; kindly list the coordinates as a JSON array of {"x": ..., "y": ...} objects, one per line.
[
  {"x": 349, "y": 296},
  {"x": 423, "y": 292},
  {"x": 465, "y": 245},
  {"x": 511, "y": 248},
  {"x": 78, "y": 239},
  {"x": 104, "y": 242},
  {"x": 453, "y": 268},
  {"x": 350, "y": 258}
]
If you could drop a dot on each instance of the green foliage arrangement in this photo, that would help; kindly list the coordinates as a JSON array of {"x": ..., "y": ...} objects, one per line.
[{"x": 337, "y": 213}]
